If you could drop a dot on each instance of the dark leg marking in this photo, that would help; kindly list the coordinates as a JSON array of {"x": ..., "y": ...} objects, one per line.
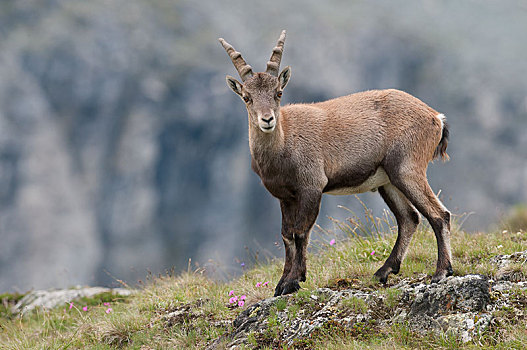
[
  {"x": 298, "y": 217},
  {"x": 407, "y": 220}
]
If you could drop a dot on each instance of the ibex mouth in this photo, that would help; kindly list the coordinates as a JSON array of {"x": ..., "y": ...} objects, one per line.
[{"x": 267, "y": 129}]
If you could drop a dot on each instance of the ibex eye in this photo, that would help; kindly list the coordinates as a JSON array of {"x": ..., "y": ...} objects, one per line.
[
  {"x": 246, "y": 99},
  {"x": 279, "y": 94}
]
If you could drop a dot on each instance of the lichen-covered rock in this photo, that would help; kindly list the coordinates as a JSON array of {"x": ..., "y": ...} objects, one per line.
[
  {"x": 314, "y": 311},
  {"x": 464, "y": 306},
  {"x": 504, "y": 260},
  {"x": 465, "y": 325},
  {"x": 456, "y": 305},
  {"x": 512, "y": 267},
  {"x": 452, "y": 305},
  {"x": 466, "y": 293},
  {"x": 51, "y": 298}
]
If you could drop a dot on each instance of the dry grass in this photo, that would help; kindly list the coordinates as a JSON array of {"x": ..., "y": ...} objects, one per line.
[
  {"x": 516, "y": 219},
  {"x": 142, "y": 323}
]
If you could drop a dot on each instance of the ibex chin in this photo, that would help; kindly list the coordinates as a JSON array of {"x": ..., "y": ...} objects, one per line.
[{"x": 380, "y": 139}]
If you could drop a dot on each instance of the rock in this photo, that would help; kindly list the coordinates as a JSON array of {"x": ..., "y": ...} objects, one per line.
[
  {"x": 184, "y": 312},
  {"x": 511, "y": 267},
  {"x": 464, "y": 306},
  {"x": 465, "y": 325},
  {"x": 455, "y": 305},
  {"x": 450, "y": 305},
  {"x": 319, "y": 308},
  {"x": 507, "y": 285},
  {"x": 504, "y": 260},
  {"x": 52, "y": 298}
]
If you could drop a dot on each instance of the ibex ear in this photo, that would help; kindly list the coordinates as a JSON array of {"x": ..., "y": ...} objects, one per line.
[
  {"x": 284, "y": 76},
  {"x": 234, "y": 84}
]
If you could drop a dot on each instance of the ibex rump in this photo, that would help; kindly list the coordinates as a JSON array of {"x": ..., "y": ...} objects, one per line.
[{"x": 381, "y": 139}]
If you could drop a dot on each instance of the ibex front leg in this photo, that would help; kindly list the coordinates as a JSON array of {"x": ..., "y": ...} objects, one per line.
[{"x": 298, "y": 217}]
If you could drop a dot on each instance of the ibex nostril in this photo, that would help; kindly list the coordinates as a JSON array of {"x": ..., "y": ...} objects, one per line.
[{"x": 268, "y": 120}]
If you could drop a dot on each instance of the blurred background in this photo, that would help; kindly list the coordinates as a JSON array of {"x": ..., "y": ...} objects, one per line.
[{"x": 122, "y": 150}]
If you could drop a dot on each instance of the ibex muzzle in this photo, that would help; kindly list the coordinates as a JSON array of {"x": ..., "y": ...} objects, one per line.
[{"x": 380, "y": 139}]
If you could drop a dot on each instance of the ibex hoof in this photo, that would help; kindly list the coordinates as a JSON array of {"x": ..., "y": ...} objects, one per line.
[
  {"x": 382, "y": 274},
  {"x": 440, "y": 274},
  {"x": 286, "y": 287}
]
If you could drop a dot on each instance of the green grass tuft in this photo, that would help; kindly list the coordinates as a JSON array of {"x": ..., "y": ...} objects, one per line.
[
  {"x": 280, "y": 304},
  {"x": 355, "y": 305},
  {"x": 190, "y": 310}
]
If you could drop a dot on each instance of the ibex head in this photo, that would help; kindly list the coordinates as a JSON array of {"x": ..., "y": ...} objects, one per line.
[{"x": 261, "y": 92}]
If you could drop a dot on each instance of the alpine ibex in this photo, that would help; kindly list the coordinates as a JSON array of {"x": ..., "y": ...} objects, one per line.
[{"x": 380, "y": 139}]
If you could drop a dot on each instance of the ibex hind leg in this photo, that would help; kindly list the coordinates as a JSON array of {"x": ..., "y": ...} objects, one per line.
[
  {"x": 416, "y": 188},
  {"x": 407, "y": 220}
]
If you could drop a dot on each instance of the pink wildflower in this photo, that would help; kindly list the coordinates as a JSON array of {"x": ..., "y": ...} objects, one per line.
[
  {"x": 372, "y": 253},
  {"x": 265, "y": 284},
  {"x": 71, "y": 305},
  {"x": 231, "y": 293},
  {"x": 108, "y": 310},
  {"x": 240, "y": 303},
  {"x": 258, "y": 284},
  {"x": 243, "y": 297},
  {"x": 332, "y": 242},
  {"x": 233, "y": 300},
  {"x": 84, "y": 308},
  {"x": 106, "y": 304}
]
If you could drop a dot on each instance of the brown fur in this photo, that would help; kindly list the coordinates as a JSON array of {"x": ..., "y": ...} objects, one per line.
[{"x": 301, "y": 151}]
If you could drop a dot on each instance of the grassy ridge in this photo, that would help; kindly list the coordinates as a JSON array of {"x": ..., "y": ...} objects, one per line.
[{"x": 190, "y": 310}]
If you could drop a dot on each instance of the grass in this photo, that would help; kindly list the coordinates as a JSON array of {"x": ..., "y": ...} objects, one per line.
[
  {"x": 356, "y": 305},
  {"x": 190, "y": 310},
  {"x": 7, "y": 301},
  {"x": 516, "y": 219}
]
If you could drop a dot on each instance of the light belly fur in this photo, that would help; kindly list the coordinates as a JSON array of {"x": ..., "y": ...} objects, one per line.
[{"x": 380, "y": 178}]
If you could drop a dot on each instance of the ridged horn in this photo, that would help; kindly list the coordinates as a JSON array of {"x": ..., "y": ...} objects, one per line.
[
  {"x": 241, "y": 66},
  {"x": 273, "y": 66}
]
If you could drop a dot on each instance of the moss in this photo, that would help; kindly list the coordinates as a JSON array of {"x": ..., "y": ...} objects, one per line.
[
  {"x": 280, "y": 304},
  {"x": 355, "y": 305},
  {"x": 392, "y": 297},
  {"x": 292, "y": 311},
  {"x": 332, "y": 330},
  {"x": 106, "y": 297},
  {"x": 7, "y": 301},
  {"x": 303, "y": 297},
  {"x": 270, "y": 338}
]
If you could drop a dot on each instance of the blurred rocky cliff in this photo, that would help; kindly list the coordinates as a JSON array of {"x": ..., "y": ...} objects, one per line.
[{"x": 122, "y": 149}]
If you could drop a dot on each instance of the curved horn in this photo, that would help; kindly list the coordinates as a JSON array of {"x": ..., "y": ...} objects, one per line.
[
  {"x": 242, "y": 67},
  {"x": 274, "y": 62}
]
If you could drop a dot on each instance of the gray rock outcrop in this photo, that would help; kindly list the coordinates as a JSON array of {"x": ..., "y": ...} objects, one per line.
[
  {"x": 49, "y": 299},
  {"x": 463, "y": 306}
]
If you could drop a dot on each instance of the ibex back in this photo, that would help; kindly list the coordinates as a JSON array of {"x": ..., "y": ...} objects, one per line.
[{"x": 381, "y": 139}]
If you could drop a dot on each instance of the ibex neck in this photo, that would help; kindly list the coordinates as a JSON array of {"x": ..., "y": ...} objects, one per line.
[{"x": 263, "y": 144}]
